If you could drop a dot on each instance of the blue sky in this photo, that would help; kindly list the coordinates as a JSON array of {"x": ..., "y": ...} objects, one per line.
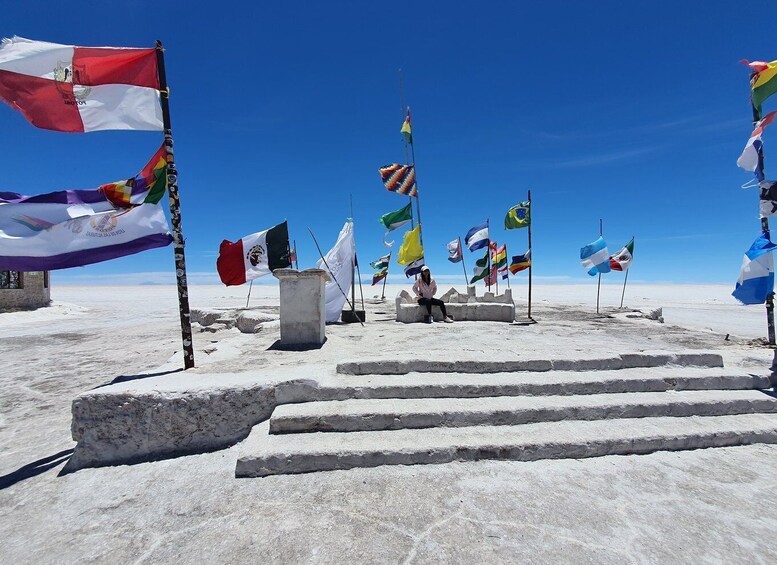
[{"x": 632, "y": 112}]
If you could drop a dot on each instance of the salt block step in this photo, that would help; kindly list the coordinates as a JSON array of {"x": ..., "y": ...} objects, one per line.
[
  {"x": 397, "y": 414},
  {"x": 623, "y": 361},
  {"x": 467, "y": 385},
  {"x": 262, "y": 454}
]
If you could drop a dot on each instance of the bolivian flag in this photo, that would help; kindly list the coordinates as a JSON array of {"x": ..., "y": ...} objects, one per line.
[{"x": 763, "y": 83}]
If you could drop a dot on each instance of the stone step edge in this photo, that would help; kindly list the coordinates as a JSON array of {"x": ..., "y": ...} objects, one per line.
[
  {"x": 600, "y": 382},
  {"x": 587, "y": 439},
  {"x": 623, "y": 361},
  {"x": 401, "y": 414}
]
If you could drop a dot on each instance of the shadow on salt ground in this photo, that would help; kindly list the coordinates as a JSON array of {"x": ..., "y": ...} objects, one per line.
[
  {"x": 278, "y": 346},
  {"x": 35, "y": 468},
  {"x": 127, "y": 378}
]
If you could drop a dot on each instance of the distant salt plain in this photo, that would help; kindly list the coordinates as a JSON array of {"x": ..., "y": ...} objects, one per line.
[{"x": 699, "y": 307}]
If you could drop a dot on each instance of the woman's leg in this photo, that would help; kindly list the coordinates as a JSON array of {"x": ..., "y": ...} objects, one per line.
[
  {"x": 441, "y": 304},
  {"x": 428, "y": 303}
]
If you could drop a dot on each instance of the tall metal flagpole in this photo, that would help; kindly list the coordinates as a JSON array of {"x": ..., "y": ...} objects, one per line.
[
  {"x": 418, "y": 192},
  {"x": 765, "y": 230},
  {"x": 531, "y": 256},
  {"x": 175, "y": 215},
  {"x": 488, "y": 255},
  {"x": 407, "y": 156},
  {"x": 383, "y": 290},
  {"x": 461, "y": 250},
  {"x": 507, "y": 266},
  {"x": 599, "y": 284},
  {"x": 296, "y": 256},
  {"x": 496, "y": 273}
]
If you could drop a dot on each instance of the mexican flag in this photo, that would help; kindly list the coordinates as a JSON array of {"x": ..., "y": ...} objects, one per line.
[
  {"x": 254, "y": 256},
  {"x": 621, "y": 261}
]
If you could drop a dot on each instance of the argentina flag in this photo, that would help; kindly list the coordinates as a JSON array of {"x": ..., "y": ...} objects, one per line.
[{"x": 595, "y": 257}]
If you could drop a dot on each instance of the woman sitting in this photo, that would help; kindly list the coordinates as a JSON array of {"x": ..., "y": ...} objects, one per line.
[{"x": 425, "y": 288}]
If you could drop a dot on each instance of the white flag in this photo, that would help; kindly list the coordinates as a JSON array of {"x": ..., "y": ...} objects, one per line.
[{"x": 339, "y": 265}]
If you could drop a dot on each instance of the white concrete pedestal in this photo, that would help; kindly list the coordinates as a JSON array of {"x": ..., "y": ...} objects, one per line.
[{"x": 303, "y": 315}]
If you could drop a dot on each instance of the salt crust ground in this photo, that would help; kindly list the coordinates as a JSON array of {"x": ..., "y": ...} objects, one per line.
[{"x": 704, "y": 506}]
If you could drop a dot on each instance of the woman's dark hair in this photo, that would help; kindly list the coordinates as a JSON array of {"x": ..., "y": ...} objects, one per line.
[{"x": 426, "y": 276}]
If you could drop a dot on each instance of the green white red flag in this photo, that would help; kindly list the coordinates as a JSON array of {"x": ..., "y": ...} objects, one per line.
[{"x": 621, "y": 261}]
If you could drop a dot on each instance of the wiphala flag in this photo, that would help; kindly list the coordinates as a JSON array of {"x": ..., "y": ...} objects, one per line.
[{"x": 399, "y": 178}]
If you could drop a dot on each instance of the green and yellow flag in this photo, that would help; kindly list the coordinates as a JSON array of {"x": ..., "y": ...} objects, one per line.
[
  {"x": 411, "y": 249},
  {"x": 518, "y": 216}
]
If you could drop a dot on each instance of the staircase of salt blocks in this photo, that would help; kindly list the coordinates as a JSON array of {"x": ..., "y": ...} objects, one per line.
[{"x": 419, "y": 412}]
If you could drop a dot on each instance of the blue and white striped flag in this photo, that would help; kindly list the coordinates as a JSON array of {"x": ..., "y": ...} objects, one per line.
[
  {"x": 414, "y": 268},
  {"x": 756, "y": 279},
  {"x": 595, "y": 257},
  {"x": 477, "y": 237}
]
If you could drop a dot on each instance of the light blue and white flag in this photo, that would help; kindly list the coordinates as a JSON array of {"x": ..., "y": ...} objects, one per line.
[
  {"x": 595, "y": 257},
  {"x": 414, "y": 268},
  {"x": 477, "y": 237},
  {"x": 756, "y": 279}
]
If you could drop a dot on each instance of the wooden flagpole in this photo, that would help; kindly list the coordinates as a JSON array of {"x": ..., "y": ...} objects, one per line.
[
  {"x": 599, "y": 283},
  {"x": 175, "y": 215},
  {"x": 461, "y": 250},
  {"x": 531, "y": 255}
]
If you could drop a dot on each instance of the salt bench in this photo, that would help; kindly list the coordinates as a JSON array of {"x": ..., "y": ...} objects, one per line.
[{"x": 462, "y": 307}]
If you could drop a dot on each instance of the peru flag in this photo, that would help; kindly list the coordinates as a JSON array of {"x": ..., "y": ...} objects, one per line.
[
  {"x": 81, "y": 89},
  {"x": 254, "y": 256}
]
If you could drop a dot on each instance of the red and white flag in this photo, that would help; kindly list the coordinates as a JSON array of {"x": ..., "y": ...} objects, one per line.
[
  {"x": 748, "y": 160},
  {"x": 81, "y": 89}
]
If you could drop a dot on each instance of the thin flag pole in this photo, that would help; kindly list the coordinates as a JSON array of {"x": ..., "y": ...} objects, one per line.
[
  {"x": 496, "y": 269},
  {"x": 318, "y": 247},
  {"x": 765, "y": 230},
  {"x": 531, "y": 255},
  {"x": 383, "y": 291},
  {"x": 296, "y": 255},
  {"x": 359, "y": 276},
  {"x": 250, "y": 286},
  {"x": 175, "y": 215},
  {"x": 507, "y": 266},
  {"x": 488, "y": 254},
  {"x": 407, "y": 155},
  {"x": 417, "y": 193},
  {"x": 623, "y": 292},
  {"x": 599, "y": 283},
  {"x": 461, "y": 250}
]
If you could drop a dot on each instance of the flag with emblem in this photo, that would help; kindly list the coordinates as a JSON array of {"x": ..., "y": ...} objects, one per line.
[
  {"x": 454, "y": 251},
  {"x": 72, "y": 228},
  {"x": 400, "y": 179},
  {"x": 621, "y": 261},
  {"x": 518, "y": 216},
  {"x": 379, "y": 276},
  {"x": 254, "y": 256},
  {"x": 499, "y": 256},
  {"x": 81, "y": 89}
]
